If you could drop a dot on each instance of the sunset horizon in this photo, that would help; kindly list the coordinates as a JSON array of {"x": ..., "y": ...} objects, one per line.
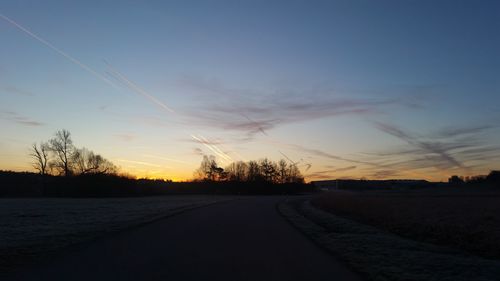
[{"x": 328, "y": 86}]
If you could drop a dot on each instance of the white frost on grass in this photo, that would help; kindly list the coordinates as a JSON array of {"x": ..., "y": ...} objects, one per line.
[
  {"x": 33, "y": 227},
  {"x": 383, "y": 256}
]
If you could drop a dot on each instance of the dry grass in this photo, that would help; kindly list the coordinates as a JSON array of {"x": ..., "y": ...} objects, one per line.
[
  {"x": 465, "y": 219},
  {"x": 382, "y": 256}
]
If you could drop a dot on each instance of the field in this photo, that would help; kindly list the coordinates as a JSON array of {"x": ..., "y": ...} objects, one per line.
[
  {"x": 34, "y": 228},
  {"x": 468, "y": 220}
]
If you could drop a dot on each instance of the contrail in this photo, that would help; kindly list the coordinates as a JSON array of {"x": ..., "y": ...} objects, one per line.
[
  {"x": 131, "y": 85},
  {"x": 59, "y": 51},
  {"x": 218, "y": 149},
  {"x": 255, "y": 123},
  {"x": 136, "y": 88},
  {"x": 212, "y": 147},
  {"x": 116, "y": 74},
  {"x": 288, "y": 158}
]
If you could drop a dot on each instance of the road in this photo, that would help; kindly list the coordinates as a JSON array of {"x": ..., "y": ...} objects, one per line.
[{"x": 244, "y": 239}]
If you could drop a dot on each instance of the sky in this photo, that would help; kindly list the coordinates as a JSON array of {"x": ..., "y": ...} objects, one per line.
[{"x": 345, "y": 89}]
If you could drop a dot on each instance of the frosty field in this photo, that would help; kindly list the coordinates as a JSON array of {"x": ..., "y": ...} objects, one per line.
[
  {"x": 467, "y": 219},
  {"x": 32, "y": 228}
]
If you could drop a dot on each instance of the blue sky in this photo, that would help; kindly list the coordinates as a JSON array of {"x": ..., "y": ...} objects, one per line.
[{"x": 355, "y": 89}]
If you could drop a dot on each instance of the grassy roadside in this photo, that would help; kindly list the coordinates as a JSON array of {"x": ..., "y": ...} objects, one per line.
[
  {"x": 466, "y": 219},
  {"x": 379, "y": 255}
]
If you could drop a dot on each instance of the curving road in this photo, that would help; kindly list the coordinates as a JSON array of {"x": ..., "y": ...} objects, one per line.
[{"x": 243, "y": 239}]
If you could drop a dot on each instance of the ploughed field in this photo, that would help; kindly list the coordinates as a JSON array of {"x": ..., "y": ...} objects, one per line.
[
  {"x": 31, "y": 229},
  {"x": 465, "y": 219}
]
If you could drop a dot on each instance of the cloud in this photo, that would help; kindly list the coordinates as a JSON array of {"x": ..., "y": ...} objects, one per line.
[
  {"x": 142, "y": 163},
  {"x": 450, "y": 150},
  {"x": 256, "y": 112},
  {"x": 198, "y": 151},
  {"x": 15, "y": 117},
  {"x": 328, "y": 174},
  {"x": 442, "y": 150},
  {"x": 384, "y": 174},
  {"x": 457, "y": 132},
  {"x": 346, "y": 169},
  {"x": 327, "y": 155},
  {"x": 17, "y": 91},
  {"x": 166, "y": 159},
  {"x": 125, "y": 137}
]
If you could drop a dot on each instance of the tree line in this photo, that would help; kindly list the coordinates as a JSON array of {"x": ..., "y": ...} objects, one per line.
[
  {"x": 59, "y": 156},
  {"x": 492, "y": 179},
  {"x": 264, "y": 170}
]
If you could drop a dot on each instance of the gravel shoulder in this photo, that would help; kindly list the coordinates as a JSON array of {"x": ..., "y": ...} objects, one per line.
[{"x": 379, "y": 255}]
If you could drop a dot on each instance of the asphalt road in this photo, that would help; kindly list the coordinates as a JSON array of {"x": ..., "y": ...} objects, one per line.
[{"x": 244, "y": 239}]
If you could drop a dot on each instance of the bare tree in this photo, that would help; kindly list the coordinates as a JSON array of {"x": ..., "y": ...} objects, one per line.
[
  {"x": 62, "y": 146},
  {"x": 282, "y": 171},
  {"x": 87, "y": 162},
  {"x": 40, "y": 155},
  {"x": 268, "y": 170},
  {"x": 208, "y": 169},
  {"x": 254, "y": 173},
  {"x": 294, "y": 175},
  {"x": 237, "y": 171}
]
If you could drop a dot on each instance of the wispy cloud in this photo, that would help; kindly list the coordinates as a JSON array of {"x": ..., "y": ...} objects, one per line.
[
  {"x": 166, "y": 159},
  {"x": 345, "y": 169},
  {"x": 436, "y": 148},
  {"x": 17, "y": 91},
  {"x": 125, "y": 137},
  {"x": 198, "y": 151},
  {"x": 450, "y": 150},
  {"x": 142, "y": 163},
  {"x": 461, "y": 131},
  {"x": 17, "y": 118},
  {"x": 384, "y": 174},
  {"x": 329, "y": 174},
  {"x": 328, "y": 155},
  {"x": 256, "y": 112}
]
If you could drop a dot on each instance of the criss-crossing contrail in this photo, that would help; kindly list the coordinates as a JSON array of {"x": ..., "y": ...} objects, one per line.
[
  {"x": 129, "y": 84},
  {"x": 255, "y": 123},
  {"x": 59, "y": 51},
  {"x": 133, "y": 86},
  {"x": 117, "y": 75}
]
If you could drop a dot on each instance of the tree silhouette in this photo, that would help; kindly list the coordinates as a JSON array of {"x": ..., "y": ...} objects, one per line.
[
  {"x": 264, "y": 170},
  {"x": 237, "y": 171},
  {"x": 282, "y": 171},
  {"x": 87, "y": 162},
  {"x": 254, "y": 171},
  {"x": 268, "y": 170},
  {"x": 62, "y": 146},
  {"x": 40, "y": 155},
  {"x": 209, "y": 170}
]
